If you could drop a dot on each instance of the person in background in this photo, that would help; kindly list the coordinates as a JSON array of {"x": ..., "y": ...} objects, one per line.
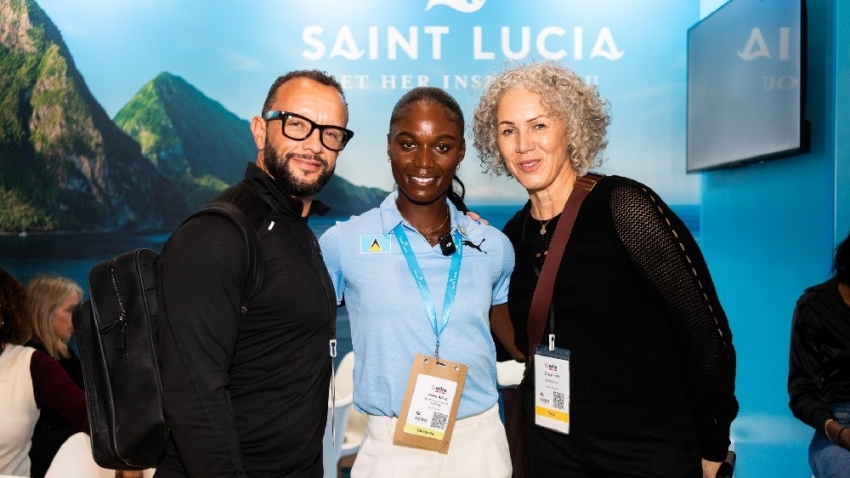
[
  {"x": 245, "y": 383},
  {"x": 29, "y": 380},
  {"x": 652, "y": 366},
  {"x": 52, "y": 299},
  {"x": 819, "y": 368},
  {"x": 393, "y": 266}
]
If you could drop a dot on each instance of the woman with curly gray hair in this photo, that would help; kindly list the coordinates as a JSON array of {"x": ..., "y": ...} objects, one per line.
[{"x": 649, "y": 389}]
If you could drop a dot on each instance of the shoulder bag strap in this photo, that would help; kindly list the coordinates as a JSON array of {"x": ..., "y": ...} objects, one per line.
[{"x": 542, "y": 298}]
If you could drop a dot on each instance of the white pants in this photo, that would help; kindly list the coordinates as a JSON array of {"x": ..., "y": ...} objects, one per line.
[{"x": 479, "y": 448}]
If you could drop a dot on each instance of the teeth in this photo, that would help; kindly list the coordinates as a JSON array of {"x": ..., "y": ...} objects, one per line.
[{"x": 422, "y": 181}]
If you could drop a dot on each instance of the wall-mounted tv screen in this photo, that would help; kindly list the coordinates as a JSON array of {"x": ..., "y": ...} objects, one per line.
[{"x": 746, "y": 84}]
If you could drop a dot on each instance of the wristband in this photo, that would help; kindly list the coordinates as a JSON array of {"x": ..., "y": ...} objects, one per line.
[{"x": 826, "y": 430}]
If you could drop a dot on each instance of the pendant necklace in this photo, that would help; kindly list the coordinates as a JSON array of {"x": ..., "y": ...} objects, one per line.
[
  {"x": 543, "y": 226},
  {"x": 428, "y": 234}
]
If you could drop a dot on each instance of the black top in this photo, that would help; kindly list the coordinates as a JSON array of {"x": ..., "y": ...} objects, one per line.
[
  {"x": 246, "y": 397},
  {"x": 636, "y": 306},
  {"x": 819, "y": 369}
]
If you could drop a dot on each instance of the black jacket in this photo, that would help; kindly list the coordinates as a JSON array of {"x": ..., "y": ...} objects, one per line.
[
  {"x": 249, "y": 397},
  {"x": 819, "y": 369}
]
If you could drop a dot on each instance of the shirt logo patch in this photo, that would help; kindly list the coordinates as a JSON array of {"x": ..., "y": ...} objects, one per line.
[{"x": 375, "y": 244}]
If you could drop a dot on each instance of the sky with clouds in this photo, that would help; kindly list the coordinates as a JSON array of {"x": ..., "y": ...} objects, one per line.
[{"x": 232, "y": 52}]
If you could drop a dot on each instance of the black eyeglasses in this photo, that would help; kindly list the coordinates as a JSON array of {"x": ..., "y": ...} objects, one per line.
[{"x": 299, "y": 128}]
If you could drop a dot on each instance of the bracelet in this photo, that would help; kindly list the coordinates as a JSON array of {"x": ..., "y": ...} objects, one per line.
[{"x": 826, "y": 429}]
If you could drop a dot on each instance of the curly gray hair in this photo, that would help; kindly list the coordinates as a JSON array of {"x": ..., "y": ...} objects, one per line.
[{"x": 564, "y": 95}]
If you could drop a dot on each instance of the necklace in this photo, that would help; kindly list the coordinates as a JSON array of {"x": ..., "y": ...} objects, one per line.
[
  {"x": 535, "y": 243},
  {"x": 543, "y": 226},
  {"x": 432, "y": 231}
]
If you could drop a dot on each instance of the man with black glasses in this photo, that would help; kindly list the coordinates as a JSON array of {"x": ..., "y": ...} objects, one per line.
[{"x": 245, "y": 377}]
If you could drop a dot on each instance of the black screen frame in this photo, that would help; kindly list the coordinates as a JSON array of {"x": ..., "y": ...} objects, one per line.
[{"x": 803, "y": 139}]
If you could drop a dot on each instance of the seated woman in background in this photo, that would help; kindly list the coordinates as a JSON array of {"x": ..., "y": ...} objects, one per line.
[
  {"x": 29, "y": 380},
  {"x": 819, "y": 371},
  {"x": 52, "y": 299}
]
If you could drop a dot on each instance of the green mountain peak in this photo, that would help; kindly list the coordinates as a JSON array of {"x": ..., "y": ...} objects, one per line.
[
  {"x": 65, "y": 165},
  {"x": 202, "y": 147},
  {"x": 191, "y": 139}
]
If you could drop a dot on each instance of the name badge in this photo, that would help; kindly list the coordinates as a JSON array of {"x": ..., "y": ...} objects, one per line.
[
  {"x": 552, "y": 389},
  {"x": 431, "y": 400}
]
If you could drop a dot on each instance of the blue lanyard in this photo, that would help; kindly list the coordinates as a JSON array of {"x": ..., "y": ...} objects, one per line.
[{"x": 437, "y": 324}]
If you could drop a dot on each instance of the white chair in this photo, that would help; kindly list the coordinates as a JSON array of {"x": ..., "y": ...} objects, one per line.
[
  {"x": 509, "y": 373},
  {"x": 74, "y": 460},
  {"x": 338, "y": 414},
  {"x": 354, "y": 431}
]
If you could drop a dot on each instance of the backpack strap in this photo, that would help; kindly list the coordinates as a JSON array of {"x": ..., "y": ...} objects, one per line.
[{"x": 252, "y": 242}]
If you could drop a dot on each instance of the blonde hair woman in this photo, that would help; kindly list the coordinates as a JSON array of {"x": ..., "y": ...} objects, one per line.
[{"x": 52, "y": 300}]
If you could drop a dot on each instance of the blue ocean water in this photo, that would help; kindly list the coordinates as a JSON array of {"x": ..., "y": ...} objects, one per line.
[
  {"x": 498, "y": 216},
  {"x": 72, "y": 255}
]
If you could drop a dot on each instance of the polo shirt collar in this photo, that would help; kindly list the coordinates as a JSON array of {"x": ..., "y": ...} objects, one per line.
[{"x": 391, "y": 217}]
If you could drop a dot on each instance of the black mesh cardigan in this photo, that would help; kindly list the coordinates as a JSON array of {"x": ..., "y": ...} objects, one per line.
[{"x": 636, "y": 306}]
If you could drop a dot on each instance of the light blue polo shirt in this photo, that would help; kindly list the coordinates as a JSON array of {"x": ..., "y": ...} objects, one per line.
[{"x": 389, "y": 324}]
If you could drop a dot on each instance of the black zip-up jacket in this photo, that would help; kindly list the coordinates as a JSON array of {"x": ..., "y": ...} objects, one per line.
[
  {"x": 246, "y": 397},
  {"x": 819, "y": 369}
]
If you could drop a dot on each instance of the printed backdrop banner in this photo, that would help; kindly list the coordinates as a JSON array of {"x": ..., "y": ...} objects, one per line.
[{"x": 233, "y": 51}]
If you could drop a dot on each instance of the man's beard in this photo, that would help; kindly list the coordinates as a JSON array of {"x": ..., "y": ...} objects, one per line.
[{"x": 279, "y": 170}]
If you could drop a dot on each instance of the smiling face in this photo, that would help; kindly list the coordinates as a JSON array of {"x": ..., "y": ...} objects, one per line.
[
  {"x": 425, "y": 147},
  {"x": 60, "y": 318},
  {"x": 300, "y": 168},
  {"x": 533, "y": 143}
]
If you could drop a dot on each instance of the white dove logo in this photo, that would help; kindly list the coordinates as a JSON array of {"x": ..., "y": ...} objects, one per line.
[{"x": 465, "y": 6}]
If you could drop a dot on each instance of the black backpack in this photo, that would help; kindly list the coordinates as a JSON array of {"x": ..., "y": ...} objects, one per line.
[{"x": 117, "y": 337}]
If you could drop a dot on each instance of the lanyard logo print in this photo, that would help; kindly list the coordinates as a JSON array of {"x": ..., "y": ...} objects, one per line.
[{"x": 438, "y": 324}]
